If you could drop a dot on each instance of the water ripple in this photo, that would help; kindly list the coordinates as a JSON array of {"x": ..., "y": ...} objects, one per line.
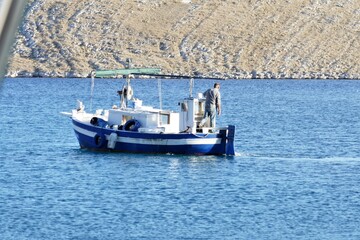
[{"x": 295, "y": 174}]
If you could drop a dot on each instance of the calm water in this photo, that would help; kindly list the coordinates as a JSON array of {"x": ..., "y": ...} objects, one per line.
[{"x": 296, "y": 174}]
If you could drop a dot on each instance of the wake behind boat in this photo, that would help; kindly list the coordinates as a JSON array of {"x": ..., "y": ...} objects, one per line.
[{"x": 135, "y": 128}]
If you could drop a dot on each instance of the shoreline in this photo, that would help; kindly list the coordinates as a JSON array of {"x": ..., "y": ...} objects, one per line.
[
  {"x": 204, "y": 78},
  {"x": 233, "y": 76}
]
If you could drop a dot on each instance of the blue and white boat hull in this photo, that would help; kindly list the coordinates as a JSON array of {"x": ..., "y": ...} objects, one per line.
[{"x": 107, "y": 139}]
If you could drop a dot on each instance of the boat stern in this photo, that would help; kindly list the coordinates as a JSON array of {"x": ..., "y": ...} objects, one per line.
[{"x": 229, "y": 149}]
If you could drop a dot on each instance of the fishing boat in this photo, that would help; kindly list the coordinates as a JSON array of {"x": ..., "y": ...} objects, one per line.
[{"x": 135, "y": 128}]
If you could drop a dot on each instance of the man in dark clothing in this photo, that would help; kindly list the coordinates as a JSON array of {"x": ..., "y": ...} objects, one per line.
[{"x": 212, "y": 104}]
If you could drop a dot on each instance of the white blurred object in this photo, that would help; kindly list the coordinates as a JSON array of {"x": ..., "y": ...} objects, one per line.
[{"x": 10, "y": 15}]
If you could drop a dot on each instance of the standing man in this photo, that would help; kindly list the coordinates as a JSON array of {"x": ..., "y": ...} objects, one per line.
[{"x": 212, "y": 104}]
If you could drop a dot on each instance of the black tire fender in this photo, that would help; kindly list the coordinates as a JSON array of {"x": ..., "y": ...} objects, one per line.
[
  {"x": 132, "y": 125},
  {"x": 99, "y": 140}
]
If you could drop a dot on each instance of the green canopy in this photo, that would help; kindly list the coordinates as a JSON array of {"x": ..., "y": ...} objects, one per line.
[{"x": 127, "y": 71}]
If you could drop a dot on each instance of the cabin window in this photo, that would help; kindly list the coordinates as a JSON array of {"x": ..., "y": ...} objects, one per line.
[
  {"x": 164, "y": 118},
  {"x": 201, "y": 108},
  {"x": 125, "y": 118}
]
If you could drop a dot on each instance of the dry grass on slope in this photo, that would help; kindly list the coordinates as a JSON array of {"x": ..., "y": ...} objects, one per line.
[{"x": 233, "y": 38}]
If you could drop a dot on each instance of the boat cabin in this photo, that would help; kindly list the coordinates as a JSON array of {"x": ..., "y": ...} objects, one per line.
[{"x": 147, "y": 119}]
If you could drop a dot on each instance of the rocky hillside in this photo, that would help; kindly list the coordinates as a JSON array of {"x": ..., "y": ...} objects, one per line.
[{"x": 236, "y": 39}]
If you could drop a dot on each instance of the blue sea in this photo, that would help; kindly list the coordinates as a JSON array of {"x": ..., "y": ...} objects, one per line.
[{"x": 296, "y": 173}]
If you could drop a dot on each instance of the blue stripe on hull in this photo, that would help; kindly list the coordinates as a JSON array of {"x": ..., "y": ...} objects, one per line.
[
  {"x": 185, "y": 149},
  {"x": 95, "y": 138}
]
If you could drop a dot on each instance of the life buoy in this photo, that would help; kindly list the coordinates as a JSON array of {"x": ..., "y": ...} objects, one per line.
[
  {"x": 99, "y": 140},
  {"x": 132, "y": 125}
]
